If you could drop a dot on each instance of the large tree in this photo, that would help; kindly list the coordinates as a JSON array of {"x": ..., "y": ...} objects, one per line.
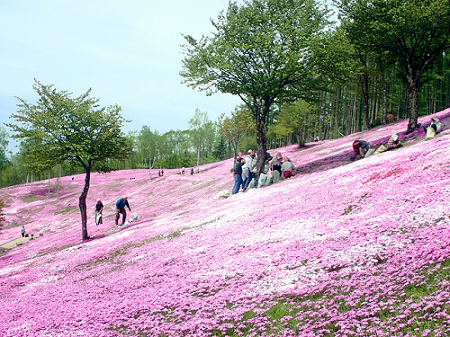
[
  {"x": 262, "y": 51},
  {"x": 61, "y": 128},
  {"x": 416, "y": 32}
]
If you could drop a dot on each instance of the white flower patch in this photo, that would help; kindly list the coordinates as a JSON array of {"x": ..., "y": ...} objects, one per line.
[{"x": 50, "y": 279}]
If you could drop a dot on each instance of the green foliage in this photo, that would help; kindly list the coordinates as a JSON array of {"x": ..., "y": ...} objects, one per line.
[
  {"x": 234, "y": 128},
  {"x": 148, "y": 144},
  {"x": 414, "y": 32},
  {"x": 262, "y": 51},
  {"x": 60, "y": 128},
  {"x": 4, "y": 141},
  {"x": 295, "y": 118},
  {"x": 201, "y": 132}
]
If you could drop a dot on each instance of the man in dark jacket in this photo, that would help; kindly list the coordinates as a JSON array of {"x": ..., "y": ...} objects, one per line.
[
  {"x": 237, "y": 170},
  {"x": 120, "y": 209}
]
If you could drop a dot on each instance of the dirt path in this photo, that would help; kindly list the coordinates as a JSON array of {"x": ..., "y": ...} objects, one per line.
[{"x": 14, "y": 243}]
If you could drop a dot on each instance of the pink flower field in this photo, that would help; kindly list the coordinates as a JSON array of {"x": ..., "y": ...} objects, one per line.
[{"x": 341, "y": 249}]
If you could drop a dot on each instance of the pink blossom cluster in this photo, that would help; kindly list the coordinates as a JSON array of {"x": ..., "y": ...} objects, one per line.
[{"x": 341, "y": 249}]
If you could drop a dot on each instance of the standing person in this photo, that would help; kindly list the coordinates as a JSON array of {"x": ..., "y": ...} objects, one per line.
[
  {"x": 120, "y": 209},
  {"x": 237, "y": 174},
  {"x": 390, "y": 117},
  {"x": 192, "y": 171},
  {"x": 98, "y": 212},
  {"x": 247, "y": 174},
  {"x": 23, "y": 231}
]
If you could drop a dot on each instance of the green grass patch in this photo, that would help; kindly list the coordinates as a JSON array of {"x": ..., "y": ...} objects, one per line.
[{"x": 67, "y": 209}]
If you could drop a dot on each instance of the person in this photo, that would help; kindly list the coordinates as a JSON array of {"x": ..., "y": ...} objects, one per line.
[
  {"x": 390, "y": 117},
  {"x": 182, "y": 171},
  {"x": 192, "y": 171},
  {"x": 98, "y": 212},
  {"x": 120, "y": 209},
  {"x": 435, "y": 125},
  {"x": 23, "y": 231},
  {"x": 162, "y": 172},
  {"x": 247, "y": 174},
  {"x": 393, "y": 142},
  {"x": 253, "y": 169},
  {"x": 237, "y": 174},
  {"x": 287, "y": 168},
  {"x": 262, "y": 181},
  {"x": 316, "y": 139},
  {"x": 275, "y": 163},
  {"x": 360, "y": 147}
]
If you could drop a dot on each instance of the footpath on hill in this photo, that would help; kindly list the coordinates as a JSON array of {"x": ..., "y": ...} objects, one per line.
[{"x": 14, "y": 243}]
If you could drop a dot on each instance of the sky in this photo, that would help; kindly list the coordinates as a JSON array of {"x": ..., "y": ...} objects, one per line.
[{"x": 128, "y": 52}]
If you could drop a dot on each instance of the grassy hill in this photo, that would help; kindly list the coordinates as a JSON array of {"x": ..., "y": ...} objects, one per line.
[{"x": 342, "y": 249}]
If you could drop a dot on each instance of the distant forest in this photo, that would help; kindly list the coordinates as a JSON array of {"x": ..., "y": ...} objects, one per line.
[{"x": 370, "y": 88}]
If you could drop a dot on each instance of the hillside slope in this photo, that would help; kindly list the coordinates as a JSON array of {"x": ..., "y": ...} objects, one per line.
[{"x": 344, "y": 248}]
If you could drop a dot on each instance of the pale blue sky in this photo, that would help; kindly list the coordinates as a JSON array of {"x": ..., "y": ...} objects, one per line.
[{"x": 128, "y": 52}]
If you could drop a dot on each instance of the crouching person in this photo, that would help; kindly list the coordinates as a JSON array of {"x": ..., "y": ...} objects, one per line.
[
  {"x": 433, "y": 129},
  {"x": 360, "y": 148},
  {"x": 393, "y": 142},
  {"x": 287, "y": 168},
  {"x": 121, "y": 203}
]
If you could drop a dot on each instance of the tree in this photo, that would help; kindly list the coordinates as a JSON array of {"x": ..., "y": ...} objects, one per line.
[
  {"x": 262, "y": 51},
  {"x": 4, "y": 141},
  {"x": 60, "y": 128},
  {"x": 296, "y": 118},
  {"x": 235, "y": 127},
  {"x": 416, "y": 32},
  {"x": 201, "y": 130},
  {"x": 148, "y": 144}
]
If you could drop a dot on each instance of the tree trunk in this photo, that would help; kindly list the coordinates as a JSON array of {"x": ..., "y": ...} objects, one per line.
[
  {"x": 414, "y": 105},
  {"x": 261, "y": 141},
  {"x": 198, "y": 158},
  {"x": 365, "y": 93},
  {"x": 385, "y": 110},
  {"x": 82, "y": 205}
]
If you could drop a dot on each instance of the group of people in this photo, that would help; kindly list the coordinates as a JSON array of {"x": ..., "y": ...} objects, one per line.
[
  {"x": 274, "y": 169},
  {"x": 121, "y": 203},
  {"x": 362, "y": 148},
  {"x": 183, "y": 170}
]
